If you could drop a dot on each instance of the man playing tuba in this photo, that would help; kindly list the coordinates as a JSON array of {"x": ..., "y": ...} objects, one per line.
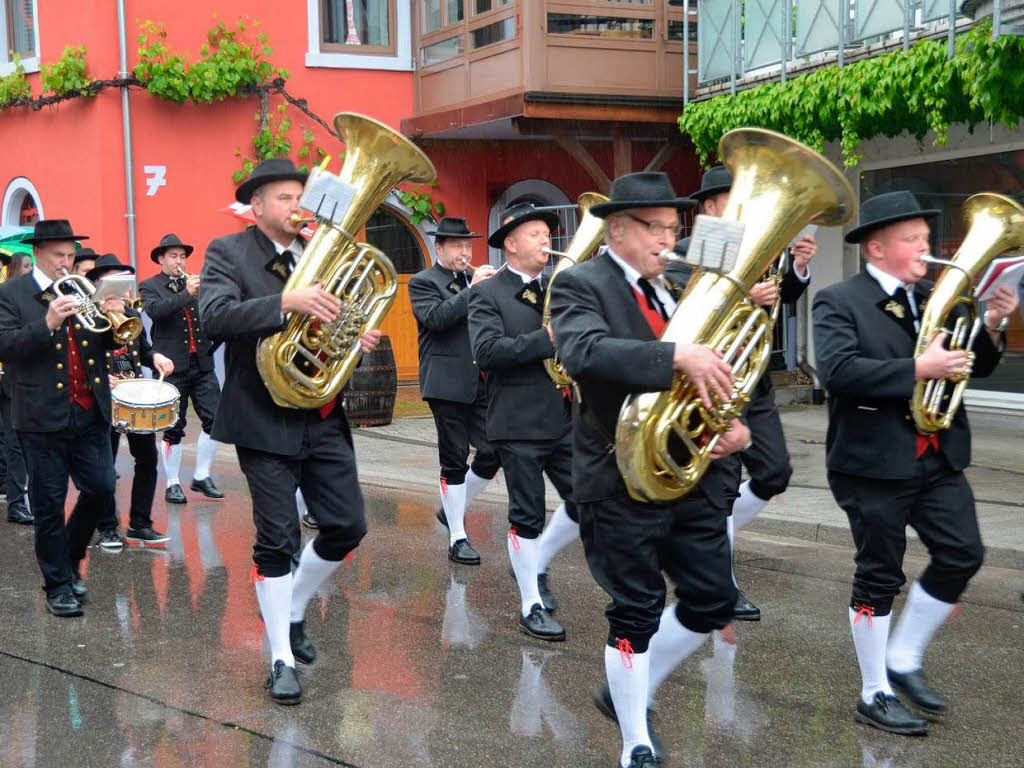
[
  {"x": 883, "y": 473},
  {"x": 280, "y": 449},
  {"x": 608, "y": 314}
]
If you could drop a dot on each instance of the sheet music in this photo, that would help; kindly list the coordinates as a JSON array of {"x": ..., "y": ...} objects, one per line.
[
  {"x": 326, "y": 196},
  {"x": 715, "y": 244}
]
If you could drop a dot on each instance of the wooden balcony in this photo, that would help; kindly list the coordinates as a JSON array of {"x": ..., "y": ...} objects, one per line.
[{"x": 487, "y": 69}]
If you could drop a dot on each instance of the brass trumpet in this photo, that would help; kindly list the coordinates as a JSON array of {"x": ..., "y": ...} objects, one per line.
[
  {"x": 125, "y": 329},
  {"x": 181, "y": 273}
]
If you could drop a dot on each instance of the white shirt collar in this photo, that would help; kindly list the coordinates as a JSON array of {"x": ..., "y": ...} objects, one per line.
[
  {"x": 295, "y": 246},
  {"x": 522, "y": 275},
  {"x": 41, "y": 279},
  {"x": 632, "y": 276},
  {"x": 888, "y": 282}
]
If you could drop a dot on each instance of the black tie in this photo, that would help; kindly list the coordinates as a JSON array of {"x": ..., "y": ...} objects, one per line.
[
  {"x": 904, "y": 300},
  {"x": 463, "y": 279},
  {"x": 289, "y": 259},
  {"x": 653, "y": 302},
  {"x": 537, "y": 286}
]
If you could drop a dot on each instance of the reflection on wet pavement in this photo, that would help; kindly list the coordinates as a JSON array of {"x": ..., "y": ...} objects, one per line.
[{"x": 421, "y": 665}]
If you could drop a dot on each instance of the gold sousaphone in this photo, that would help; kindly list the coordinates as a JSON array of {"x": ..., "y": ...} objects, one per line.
[
  {"x": 995, "y": 224},
  {"x": 307, "y": 364},
  {"x": 663, "y": 440},
  {"x": 582, "y": 247}
]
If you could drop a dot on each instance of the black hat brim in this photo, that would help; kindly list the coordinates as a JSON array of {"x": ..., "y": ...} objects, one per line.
[
  {"x": 54, "y": 238},
  {"x": 244, "y": 192},
  {"x": 604, "y": 210},
  {"x": 858, "y": 234},
  {"x": 454, "y": 235},
  {"x": 157, "y": 252},
  {"x": 96, "y": 273},
  {"x": 497, "y": 237},
  {"x": 706, "y": 192}
]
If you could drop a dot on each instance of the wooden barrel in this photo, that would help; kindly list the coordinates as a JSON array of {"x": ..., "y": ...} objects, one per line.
[{"x": 369, "y": 396}]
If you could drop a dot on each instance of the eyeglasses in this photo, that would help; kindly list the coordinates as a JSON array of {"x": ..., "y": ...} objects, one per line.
[{"x": 654, "y": 229}]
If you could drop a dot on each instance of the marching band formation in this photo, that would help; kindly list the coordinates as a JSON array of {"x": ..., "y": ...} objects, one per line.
[{"x": 632, "y": 377}]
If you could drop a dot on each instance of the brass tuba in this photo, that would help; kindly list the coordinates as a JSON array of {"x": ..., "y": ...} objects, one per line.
[
  {"x": 307, "y": 364},
  {"x": 995, "y": 225},
  {"x": 663, "y": 440},
  {"x": 582, "y": 247}
]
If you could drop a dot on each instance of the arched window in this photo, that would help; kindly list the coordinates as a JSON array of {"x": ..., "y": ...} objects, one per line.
[
  {"x": 22, "y": 206},
  {"x": 389, "y": 232}
]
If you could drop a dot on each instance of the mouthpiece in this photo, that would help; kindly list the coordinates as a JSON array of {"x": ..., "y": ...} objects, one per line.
[
  {"x": 552, "y": 252},
  {"x": 298, "y": 220}
]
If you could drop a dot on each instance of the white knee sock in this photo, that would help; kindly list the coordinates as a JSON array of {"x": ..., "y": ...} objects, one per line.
[
  {"x": 171, "y": 456},
  {"x": 559, "y": 531},
  {"x": 523, "y": 554},
  {"x": 474, "y": 486},
  {"x": 870, "y": 635},
  {"x": 313, "y": 570},
  {"x": 300, "y": 503},
  {"x": 730, "y": 529},
  {"x": 921, "y": 617},
  {"x": 627, "y": 683},
  {"x": 671, "y": 644},
  {"x": 747, "y": 506},
  {"x": 205, "y": 450},
  {"x": 453, "y": 499},
  {"x": 274, "y": 595}
]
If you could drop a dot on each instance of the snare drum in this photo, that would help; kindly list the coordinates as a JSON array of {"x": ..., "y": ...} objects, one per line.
[{"x": 143, "y": 405}]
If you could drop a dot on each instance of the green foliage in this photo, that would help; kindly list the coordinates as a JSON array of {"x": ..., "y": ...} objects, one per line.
[
  {"x": 422, "y": 205},
  {"x": 917, "y": 91},
  {"x": 229, "y": 63},
  {"x": 67, "y": 74},
  {"x": 14, "y": 86}
]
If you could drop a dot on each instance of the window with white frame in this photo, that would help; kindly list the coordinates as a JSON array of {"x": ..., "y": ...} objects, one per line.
[
  {"x": 359, "y": 34},
  {"x": 19, "y": 35}
]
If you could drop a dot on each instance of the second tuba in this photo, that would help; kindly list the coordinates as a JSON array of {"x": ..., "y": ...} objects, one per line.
[
  {"x": 307, "y": 364},
  {"x": 995, "y": 224},
  {"x": 663, "y": 440},
  {"x": 582, "y": 247}
]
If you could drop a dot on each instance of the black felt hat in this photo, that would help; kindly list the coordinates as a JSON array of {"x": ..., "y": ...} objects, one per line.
[
  {"x": 85, "y": 254},
  {"x": 274, "y": 169},
  {"x": 715, "y": 181},
  {"x": 108, "y": 262},
  {"x": 50, "y": 230},
  {"x": 169, "y": 241},
  {"x": 520, "y": 214},
  {"x": 883, "y": 210},
  {"x": 453, "y": 226},
  {"x": 646, "y": 189}
]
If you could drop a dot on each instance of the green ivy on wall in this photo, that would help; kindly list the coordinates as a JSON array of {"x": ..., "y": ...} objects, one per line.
[{"x": 917, "y": 91}]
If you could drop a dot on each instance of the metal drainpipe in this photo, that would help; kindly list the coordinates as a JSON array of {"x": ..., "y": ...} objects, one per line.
[{"x": 126, "y": 122}]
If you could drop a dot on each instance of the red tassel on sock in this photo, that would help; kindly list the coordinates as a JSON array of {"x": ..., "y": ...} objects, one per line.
[
  {"x": 255, "y": 575},
  {"x": 625, "y": 651},
  {"x": 864, "y": 610},
  {"x": 444, "y": 485},
  {"x": 513, "y": 536},
  {"x": 729, "y": 635}
]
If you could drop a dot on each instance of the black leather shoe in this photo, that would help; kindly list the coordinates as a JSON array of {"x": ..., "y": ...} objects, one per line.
[
  {"x": 442, "y": 518},
  {"x": 550, "y": 601},
  {"x": 462, "y": 552},
  {"x": 18, "y": 513},
  {"x": 916, "y": 688},
  {"x": 539, "y": 624},
  {"x": 174, "y": 495},
  {"x": 603, "y": 701},
  {"x": 79, "y": 590},
  {"x": 147, "y": 536},
  {"x": 207, "y": 488},
  {"x": 309, "y": 520},
  {"x": 887, "y": 714},
  {"x": 745, "y": 610},
  {"x": 302, "y": 649},
  {"x": 63, "y": 605},
  {"x": 642, "y": 757},
  {"x": 283, "y": 684}
]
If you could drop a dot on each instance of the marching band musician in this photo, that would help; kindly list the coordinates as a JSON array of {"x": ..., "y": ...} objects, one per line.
[
  {"x": 61, "y": 409},
  {"x": 85, "y": 259},
  {"x": 126, "y": 362},
  {"x": 169, "y": 299},
  {"x": 766, "y": 460},
  {"x": 450, "y": 380},
  {"x": 15, "y": 477},
  {"x": 608, "y": 314},
  {"x": 280, "y": 449},
  {"x": 528, "y": 419},
  {"x": 882, "y": 472}
]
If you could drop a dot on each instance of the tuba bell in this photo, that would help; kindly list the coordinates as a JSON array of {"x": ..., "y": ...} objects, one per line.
[
  {"x": 307, "y": 364},
  {"x": 663, "y": 440},
  {"x": 582, "y": 247},
  {"x": 995, "y": 224}
]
